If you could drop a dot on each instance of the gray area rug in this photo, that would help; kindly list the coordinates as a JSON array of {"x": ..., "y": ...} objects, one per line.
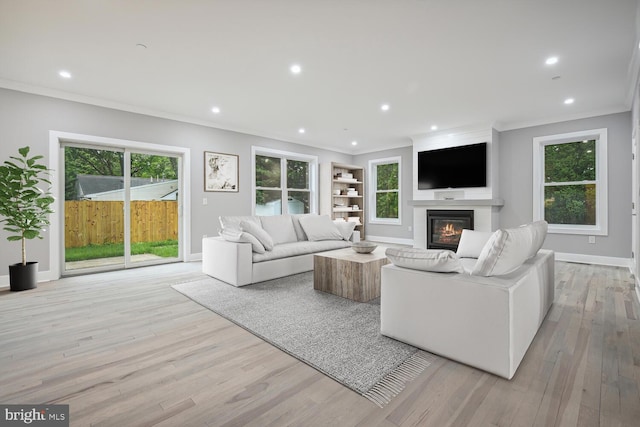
[{"x": 339, "y": 337}]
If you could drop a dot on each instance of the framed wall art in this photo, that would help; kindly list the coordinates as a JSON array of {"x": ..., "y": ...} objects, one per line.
[{"x": 220, "y": 172}]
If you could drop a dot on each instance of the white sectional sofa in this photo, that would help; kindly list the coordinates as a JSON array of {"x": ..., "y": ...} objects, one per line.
[
  {"x": 252, "y": 249},
  {"x": 484, "y": 312}
]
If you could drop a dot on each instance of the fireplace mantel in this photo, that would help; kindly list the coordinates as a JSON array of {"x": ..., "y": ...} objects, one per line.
[
  {"x": 458, "y": 202},
  {"x": 486, "y": 214}
]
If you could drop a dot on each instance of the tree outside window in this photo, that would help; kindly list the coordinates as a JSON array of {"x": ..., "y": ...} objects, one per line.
[
  {"x": 570, "y": 182},
  {"x": 298, "y": 194},
  {"x": 281, "y": 176},
  {"x": 385, "y": 196},
  {"x": 268, "y": 183}
]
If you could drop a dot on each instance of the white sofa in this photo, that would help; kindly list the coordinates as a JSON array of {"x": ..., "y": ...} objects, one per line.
[
  {"x": 483, "y": 320},
  {"x": 230, "y": 258}
]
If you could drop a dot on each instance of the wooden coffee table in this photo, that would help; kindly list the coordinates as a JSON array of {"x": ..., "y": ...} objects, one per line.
[{"x": 348, "y": 274}]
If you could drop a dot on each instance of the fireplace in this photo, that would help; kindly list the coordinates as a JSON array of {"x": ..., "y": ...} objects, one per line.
[{"x": 444, "y": 227}]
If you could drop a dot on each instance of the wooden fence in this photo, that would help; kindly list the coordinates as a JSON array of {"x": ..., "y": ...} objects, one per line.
[{"x": 92, "y": 222}]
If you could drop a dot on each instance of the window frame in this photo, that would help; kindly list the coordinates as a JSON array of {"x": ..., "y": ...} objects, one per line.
[
  {"x": 284, "y": 156},
  {"x": 373, "y": 190},
  {"x": 539, "y": 144}
]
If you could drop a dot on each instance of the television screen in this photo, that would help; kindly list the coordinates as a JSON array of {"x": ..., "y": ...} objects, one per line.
[{"x": 454, "y": 167}]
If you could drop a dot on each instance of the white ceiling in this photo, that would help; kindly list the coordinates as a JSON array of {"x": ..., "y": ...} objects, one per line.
[{"x": 446, "y": 62}]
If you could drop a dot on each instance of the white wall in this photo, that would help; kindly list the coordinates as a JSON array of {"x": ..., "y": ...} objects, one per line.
[
  {"x": 455, "y": 138},
  {"x": 516, "y": 183},
  {"x": 404, "y": 231},
  {"x": 26, "y": 119}
]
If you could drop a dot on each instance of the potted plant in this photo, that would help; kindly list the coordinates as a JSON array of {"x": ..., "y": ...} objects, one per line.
[{"x": 25, "y": 207}]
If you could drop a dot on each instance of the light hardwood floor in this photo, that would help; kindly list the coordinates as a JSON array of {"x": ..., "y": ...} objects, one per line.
[{"x": 124, "y": 349}]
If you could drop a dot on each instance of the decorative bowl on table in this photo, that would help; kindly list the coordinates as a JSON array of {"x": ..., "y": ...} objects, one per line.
[{"x": 364, "y": 247}]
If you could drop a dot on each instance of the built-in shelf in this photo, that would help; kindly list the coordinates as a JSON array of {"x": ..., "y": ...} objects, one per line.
[
  {"x": 458, "y": 202},
  {"x": 342, "y": 181},
  {"x": 332, "y": 182}
]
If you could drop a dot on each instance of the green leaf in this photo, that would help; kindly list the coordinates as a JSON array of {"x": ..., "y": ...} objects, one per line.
[
  {"x": 23, "y": 151},
  {"x": 24, "y": 203},
  {"x": 31, "y": 234},
  {"x": 11, "y": 164}
]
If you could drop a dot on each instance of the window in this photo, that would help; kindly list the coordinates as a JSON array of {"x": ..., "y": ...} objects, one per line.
[
  {"x": 280, "y": 175},
  {"x": 570, "y": 182},
  {"x": 384, "y": 196}
]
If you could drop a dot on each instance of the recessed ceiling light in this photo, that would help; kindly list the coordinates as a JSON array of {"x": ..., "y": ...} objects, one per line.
[
  {"x": 434, "y": 127},
  {"x": 295, "y": 69},
  {"x": 551, "y": 60},
  {"x": 301, "y": 130},
  {"x": 64, "y": 74},
  {"x": 569, "y": 101},
  {"x": 215, "y": 110},
  {"x": 384, "y": 107},
  {"x": 354, "y": 142}
]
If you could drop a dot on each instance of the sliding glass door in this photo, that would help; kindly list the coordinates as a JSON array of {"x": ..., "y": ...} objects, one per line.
[
  {"x": 93, "y": 208},
  {"x": 153, "y": 209},
  {"x": 121, "y": 209}
]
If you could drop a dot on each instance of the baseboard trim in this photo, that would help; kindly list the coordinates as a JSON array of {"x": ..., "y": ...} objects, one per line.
[
  {"x": 194, "y": 257},
  {"x": 48, "y": 275},
  {"x": 394, "y": 240},
  {"x": 43, "y": 276},
  {"x": 593, "y": 259}
]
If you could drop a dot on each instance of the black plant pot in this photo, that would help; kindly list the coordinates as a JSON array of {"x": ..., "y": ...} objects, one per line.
[{"x": 23, "y": 277}]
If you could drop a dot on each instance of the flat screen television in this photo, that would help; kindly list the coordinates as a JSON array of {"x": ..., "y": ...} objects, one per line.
[{"x": 455, "y": 167}]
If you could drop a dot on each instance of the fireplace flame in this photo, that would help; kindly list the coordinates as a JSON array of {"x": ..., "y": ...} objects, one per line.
[
  {"x": 449, "y": 234},
  {"x": 448, "y": 230}
]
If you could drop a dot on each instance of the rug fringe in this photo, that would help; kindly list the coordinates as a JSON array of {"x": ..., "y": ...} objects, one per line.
[{"x": 395, "y": 381}]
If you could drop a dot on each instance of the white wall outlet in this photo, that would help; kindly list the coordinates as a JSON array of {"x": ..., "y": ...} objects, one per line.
[
  {"x": 205, "y": 201},
  {"x": 592, "y": 239}
]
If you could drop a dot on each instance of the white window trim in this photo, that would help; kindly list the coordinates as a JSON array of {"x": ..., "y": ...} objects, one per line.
[
  {"x": 600, "y": 135},
  {"x": 313, "y": 175},
  {"x": 57, "y": 140},
  {"x": 373, "y": 187}
]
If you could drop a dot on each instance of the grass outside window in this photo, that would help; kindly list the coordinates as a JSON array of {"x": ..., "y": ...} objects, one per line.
[{"x": 164, "y": 249}]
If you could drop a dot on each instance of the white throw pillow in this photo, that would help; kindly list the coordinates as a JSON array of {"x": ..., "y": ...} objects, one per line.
[
  {"x": 538, "y": 233},
  {"x": 346, "y": 228},
  {"x": 242, "y": 237},
  {"x": 280, "y": 228},
  {"x": 472, "y": 242},
  {"x": 505, "y": 251},
  {"x": 437, "y": 260},
  {"x": 319, "y": 227},
  {"x": 258, "y": 233},
  {"x": 296, "y": 226},
  {"x": 232, "y": 222}
]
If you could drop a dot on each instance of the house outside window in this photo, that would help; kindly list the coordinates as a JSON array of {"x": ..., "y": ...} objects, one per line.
[
  {"x": 283, "y": 176},
  {"x": 384, "y": 193},
  {"x": 570, "y": 182}
]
